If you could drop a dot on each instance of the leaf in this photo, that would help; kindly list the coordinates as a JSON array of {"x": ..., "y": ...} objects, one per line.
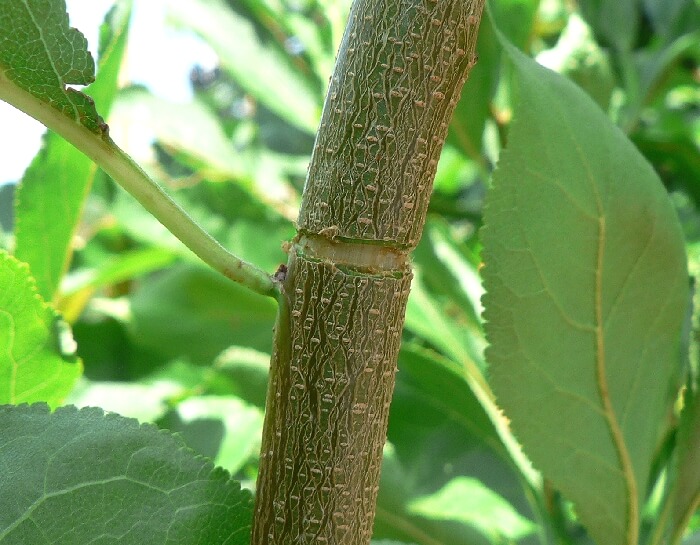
[
  {"x": 469, "y": 119},
  {"x": 686, "y": 499},
  {"x": 50, "y": 198},
  {"x": 438, "y": 432},
  {"x": 259, "y": 67},
  {"x": 577, "y": 56},
  {"x": 426, "y": 318},
  {"x": 468, "y": 500},
  {"x": 616, "y": 22},
  {"x": 587, "y": 290},
  {"x": 145, "y": 402},
  {"x": 204, "y": 419},
  {"x": 37, "y": 360},
  {"x": 80, "y": 476},
  {"x": 192, "y": 312},
  {"x": 40, "y": 54}
]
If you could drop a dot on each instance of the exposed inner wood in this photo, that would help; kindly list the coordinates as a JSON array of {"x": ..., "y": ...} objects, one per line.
[{"x": 368, "y": 257}]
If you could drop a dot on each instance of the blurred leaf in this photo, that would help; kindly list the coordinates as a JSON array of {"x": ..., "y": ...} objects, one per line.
[
  {"x": 192, "y": 312},
  {"x": 248, "y": 370},
  {"x": 145, "y": 402},
  {"x": 577, "y": 56},
  {"x": 587, "y": 290},
  {"x": 615, "y": 22},
  {"x": 439, "y": 431},
  {"x": 686, "y": 499},
  {"x": 469, "y": 501},
  {"x": 191, "y": 128},
  {"x": 473, "y": 109},
  {"x": 50, "y": 198},
  {"x": 258, "y": 66},
  {"x": 515, "y": 19},
  {"x": 693, "y": 539},
  {"x": 428, "y": 320},
  {"x": 673, "y": 17},
  {"x": 236, "y": 425},
  {"x": 433, "y": 397},
  {"x": 393, "y": 520},
  {"x": 196, "y": 138},
  {"x": 80, "y": 476},
  {"x": 37, "y": 351},
  {"x": 447, "y": 271},
  {"x": 81, "y": 284}
]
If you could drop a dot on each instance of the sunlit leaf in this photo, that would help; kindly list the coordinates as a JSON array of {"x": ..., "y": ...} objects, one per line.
[
  {"x": 50, "y": 197},
  {"x": 469, "y": 501},
  {"x": 587, "y": 289},
  {"x": 37, "y": 351},
  {"x": 42, "y": 55},
  {"x": 233, "y": 425}
]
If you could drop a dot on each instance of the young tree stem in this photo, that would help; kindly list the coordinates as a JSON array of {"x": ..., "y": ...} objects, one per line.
[{"x": 399, "y": 74}]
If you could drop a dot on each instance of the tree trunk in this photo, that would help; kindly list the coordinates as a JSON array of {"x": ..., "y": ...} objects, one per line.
[{"x": 399, "y": 73}]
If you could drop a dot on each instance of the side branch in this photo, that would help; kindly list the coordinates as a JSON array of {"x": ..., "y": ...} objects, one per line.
[{"x": 152, "y": 197}]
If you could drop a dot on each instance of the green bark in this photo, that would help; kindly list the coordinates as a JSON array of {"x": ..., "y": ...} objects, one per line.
[{"x": 398, "y": 77}]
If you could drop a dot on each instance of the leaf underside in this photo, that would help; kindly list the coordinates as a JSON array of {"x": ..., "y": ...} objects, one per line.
[
  {"x": 83, "y": 476},
  {"x": 586, "y": 281}
]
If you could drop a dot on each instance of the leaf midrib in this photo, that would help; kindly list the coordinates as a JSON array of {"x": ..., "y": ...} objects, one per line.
[{"x": 618, "y": 439}]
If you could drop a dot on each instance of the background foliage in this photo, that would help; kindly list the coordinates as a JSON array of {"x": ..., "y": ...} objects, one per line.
[{"x": 163, "y": 339}]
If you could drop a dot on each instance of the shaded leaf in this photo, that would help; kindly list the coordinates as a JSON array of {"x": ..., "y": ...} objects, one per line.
[
  {"x": 426, "y": 318},
  {"x": 190, "y": 311},
  {"x": 577, "y": 56},
  {"x": 587, "y": 290},
  {"x": 37, "y": 352},
  {"x": 615, "y": 22},
  {"x": 686, "y": 498},
  {"x": 80, "y": 476},
  {"x": 438, "y": 432}
]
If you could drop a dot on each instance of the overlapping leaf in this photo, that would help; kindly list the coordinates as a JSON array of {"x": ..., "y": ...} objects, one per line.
[
  {"x": 587, "y": 289},
  {"x": 50, "y": 198}
]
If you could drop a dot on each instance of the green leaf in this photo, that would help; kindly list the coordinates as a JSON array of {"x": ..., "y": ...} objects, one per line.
[
  {"x": 237, "y": 425},
  {"x": 192, "y": 312},
  {"x": 587, "y": 290},
  {"x": 145, "y": 402},
  {"x": 439, "y": 431},
  {"x": 49, "y": 200},
  {"x": 469, "y": 119},
  {"x": 42, "y": 55},
  {"x": 686, "y": 499},
  {"x": 616, "y": 22},
  {"x": 37, "y": 359},
  {"x": 259, "y": 67},
  {"x": 577, "y": 56},
  {"x": 468, "y": 500},
  {"x": 80, "y": 476}
]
